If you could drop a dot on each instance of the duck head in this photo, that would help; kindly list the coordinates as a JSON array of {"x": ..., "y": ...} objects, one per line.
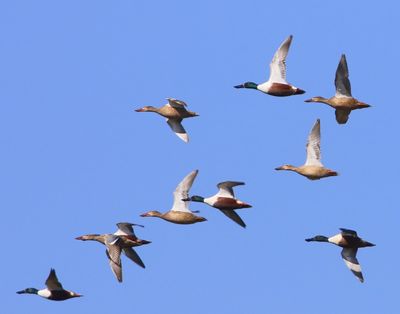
[
  {"x": 28, "y": 291},
  {"x": 247, "y": 85},
  {"x": 87, "y": 237},
  {"x": 151, "y": 213},
  {"x": 194, "y": 198},
  {"x": 318, "y": 238},
  {"x": 147, "y": 109},
  {"x": 286, "y": 167}
]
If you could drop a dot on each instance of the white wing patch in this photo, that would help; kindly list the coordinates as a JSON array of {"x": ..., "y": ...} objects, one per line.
[
  {"x": 179, "y": 130},
  {"x": 278, "y": 63}
]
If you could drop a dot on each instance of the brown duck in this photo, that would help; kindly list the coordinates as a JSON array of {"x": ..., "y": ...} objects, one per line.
[
  {"x": 313, "y": 169},
  {"x": 180, "y": 212},
  {"x": 175, "y": 112},
  {"x": 123, "y": 240},
  {"x": 343, "y": 102}
]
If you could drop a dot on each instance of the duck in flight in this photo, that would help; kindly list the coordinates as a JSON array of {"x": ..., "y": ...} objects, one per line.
[
  {"x": 343, "y": 102},
  {"x": 180, "y": 212},
  {"x": 123, "y": 240},
  {"x": 350, "y": 242},
  {"x": 54, "y": 290},
  {"x": 224, "y": 200},
  {"x": 276, "y": 84},
  {"x": 175, "y": 112},
  {"x": 313, "y": 169}
]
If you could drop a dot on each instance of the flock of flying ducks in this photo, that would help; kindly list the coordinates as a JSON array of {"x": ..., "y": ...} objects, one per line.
[{"x": 124, "y": 239}]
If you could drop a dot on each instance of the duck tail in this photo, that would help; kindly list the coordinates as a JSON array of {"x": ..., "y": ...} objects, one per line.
[{"x": 299, "y": 91}]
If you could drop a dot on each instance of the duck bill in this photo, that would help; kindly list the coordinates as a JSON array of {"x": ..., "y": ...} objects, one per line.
[
  {"x": 308, "y": 100},
  {"x": 144, "y": 215},
  {"x": 21, "y": 292},
  {"x": 186, "y": 199},
  {"x": 239, "y": 86},
  {"x": 79, "y": 238},
  {"x": 279, "y": 168},
  {"x": 139, "y": 110}
]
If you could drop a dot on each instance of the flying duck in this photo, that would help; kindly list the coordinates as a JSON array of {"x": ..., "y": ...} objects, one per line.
[
  {"x": 350, "y": 242},
  {"x": 54, "y": 290},
  {"x": 276, "y": 84},
  {"x": 123, "y": 240},
  {"x": 224, "y": 200},
  {"x": 313, "y": 169},
  {"x": 343, "y": 102},
  {"x": 180, "y": 212},
  {"x": 175, "y": 112}
]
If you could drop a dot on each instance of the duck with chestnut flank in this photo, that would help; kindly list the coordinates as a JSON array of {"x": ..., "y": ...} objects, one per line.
[
  {"x": 180, "y": 212},
  {"x": 343, "y": 102},
  {"x": 276, "y": 84},
  {"x": 313, "y": 169},
  {"x": 54, "y": 290},
  {"x": 224, "y": 200},
  {"x": 123, "y": 240},
  {"x": 175, "y": 112},
  {"x": 350, "y": 242}
]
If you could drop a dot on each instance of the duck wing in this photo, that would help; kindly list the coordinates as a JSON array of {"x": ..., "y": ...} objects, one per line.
[
  {"x": 342, "y": 115},
  {"x": 113, "y": 253},
  {"x": 313, "y": 146},
  {"x": 182, "y": 192},
  {"x": 349, "y": 257},
  {"x": 348, "y": 232},
  {"x": 176, "y": 126},
  {"x": 226, "y": 188},
  {"x": 278, "y": 64},
  {"x": 175, "y": 103},
  {"x": 52, "y": 282},
  {"x": 342, "y": 82},
  {"x": 231, "y": 214},
  {"x": 132, "y": 255},
  {"x": 126, "y": 228}
]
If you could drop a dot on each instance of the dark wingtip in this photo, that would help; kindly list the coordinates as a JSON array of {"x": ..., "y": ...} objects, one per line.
[{"x": 300, "y": 91}]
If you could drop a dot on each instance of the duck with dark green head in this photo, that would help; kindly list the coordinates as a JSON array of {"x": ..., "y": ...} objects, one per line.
[
  {"x": 54, "y": 290},
  {"x": 350, "y": 242},
  {"x": 276, "y": 84},
  {"x": 224, "y": 200}
]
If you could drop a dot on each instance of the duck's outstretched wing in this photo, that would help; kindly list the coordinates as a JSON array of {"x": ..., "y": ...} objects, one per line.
[
  {"x": 179, "y": 130},
  {"x": 313, "y": 146},
  {"x": 342, "y": 115},
  {"x": 342, "y": 82},
  {"x": 113, "y": 253},
  {"x": 231, "y": 214},
  {"x": 52, "y": 282},
  {"x": 126, "y": 228},
  {"x": 278, "y": 63},
  {"x": 349, "y": 257},
  {"x": 226, "y": 188},
  {"x": 182, "y": 192},
  {"x": 133, "y": 256}
]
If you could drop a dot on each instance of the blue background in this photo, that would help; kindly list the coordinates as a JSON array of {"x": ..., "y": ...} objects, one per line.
[{"x": 76, "y": 159}]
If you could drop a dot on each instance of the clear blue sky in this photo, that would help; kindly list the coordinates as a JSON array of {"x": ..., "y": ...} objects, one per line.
[{"x": 77, "y": 159}]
